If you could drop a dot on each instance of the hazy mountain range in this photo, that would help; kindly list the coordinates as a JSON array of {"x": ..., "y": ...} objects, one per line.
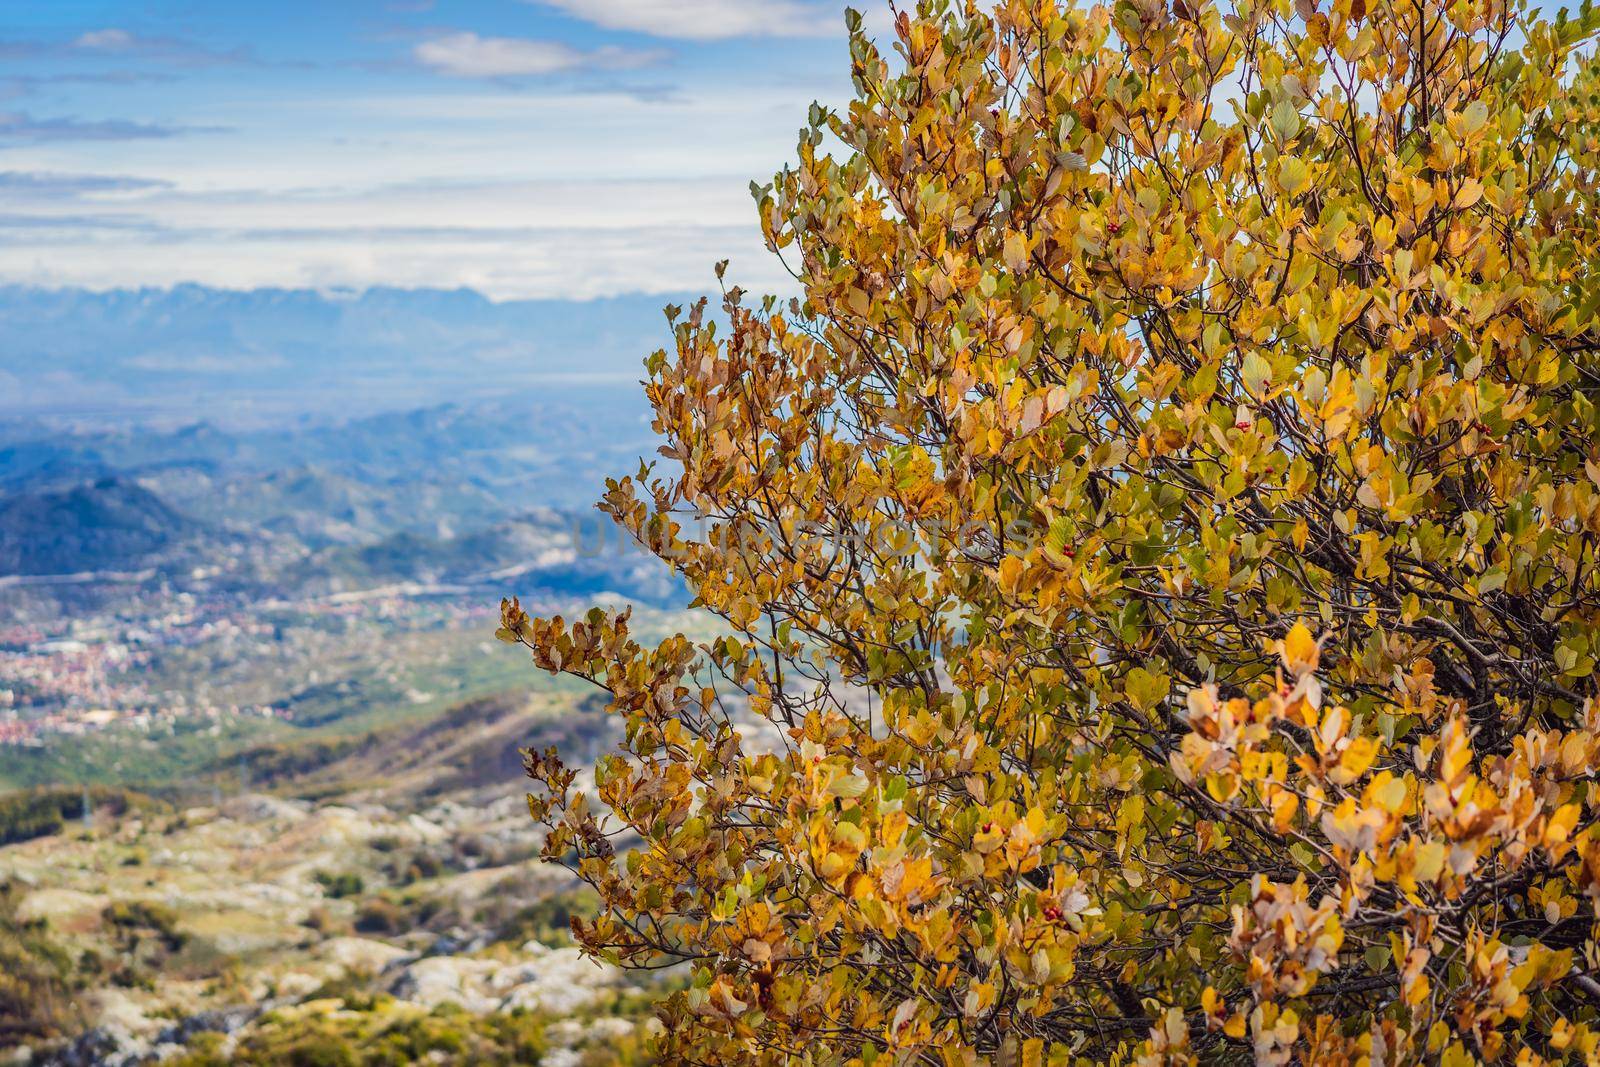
[
  {"x": 456, "y": 493},
  {"x": 192, "y": 351},
  {"x": 561, "y": 439},
  {"x": 298, "y": 439}
]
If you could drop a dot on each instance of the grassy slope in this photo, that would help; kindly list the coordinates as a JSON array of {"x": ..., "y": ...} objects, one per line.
[
  {"x": 446, "y": 668},
  {"x": 198, "y": 752}
]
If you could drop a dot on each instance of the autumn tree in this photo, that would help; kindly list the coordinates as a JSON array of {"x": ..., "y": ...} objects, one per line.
[{"x": 1158, "y": 557}]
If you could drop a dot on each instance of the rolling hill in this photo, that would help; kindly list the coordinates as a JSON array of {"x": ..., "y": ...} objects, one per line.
[{"x": 109, "y": 524}]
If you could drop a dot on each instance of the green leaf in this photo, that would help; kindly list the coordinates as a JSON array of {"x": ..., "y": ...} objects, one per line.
[{"x": 1144, "y": 689}]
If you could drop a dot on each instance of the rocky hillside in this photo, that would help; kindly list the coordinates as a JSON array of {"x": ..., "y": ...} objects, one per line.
[
  {"x": 402, "y": 918},
  {"x": 110, "y": 524}
]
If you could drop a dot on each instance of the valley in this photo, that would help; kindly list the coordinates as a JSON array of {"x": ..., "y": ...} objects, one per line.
[
  {"x": 266, "y": 578},
  {"x": 261, "y": 790}
]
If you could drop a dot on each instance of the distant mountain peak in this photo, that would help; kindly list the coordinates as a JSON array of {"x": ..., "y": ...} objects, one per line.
[{"x": 285, "y": 352}]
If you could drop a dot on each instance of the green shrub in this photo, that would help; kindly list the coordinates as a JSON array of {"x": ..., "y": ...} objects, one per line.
[
  {"x": 38, "y": 978},
  {"x": 344, "y": 884},
  {"x": 33, "y": 813},
  {"x": 135, "y": 918},
  {"x": 549, "y": 921},
  {"x": 372, "y": 1033},
  {"x": 380, "y": 916}
]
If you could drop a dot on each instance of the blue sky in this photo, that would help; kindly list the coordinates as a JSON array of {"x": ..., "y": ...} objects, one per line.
[{"x": 522, "y": 147}]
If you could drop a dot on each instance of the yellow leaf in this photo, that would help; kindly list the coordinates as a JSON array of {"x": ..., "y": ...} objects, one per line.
[
  {"x": 1010, "y": 573},
  {"x": 1355, "y": 760},
  {"x": 1292, "y": 175},
  {"x": 1388, "y": 792},
  {"x": 1016, "y": 252},
  {"x": 1300, "y": 652}
]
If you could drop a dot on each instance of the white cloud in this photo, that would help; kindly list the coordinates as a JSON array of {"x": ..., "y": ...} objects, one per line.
[
  {"x": 550, "y": 239},
  {"x": 547, "y": 192},
  {"x": 707, "y": 20},
  {"x": 19, "y": 126},
  {"x": 53, "y": 185},
  {"x": 204, "y": 364},
  {"x": 555, "y": 264},
  {"x": 108, "y": 40},
  {"x": 467, "y": 55},
  {"x": 174, "y": 51}
]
